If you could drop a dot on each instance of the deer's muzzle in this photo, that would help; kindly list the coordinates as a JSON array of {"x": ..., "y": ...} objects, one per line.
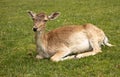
[{"x": 35, "y": 29}]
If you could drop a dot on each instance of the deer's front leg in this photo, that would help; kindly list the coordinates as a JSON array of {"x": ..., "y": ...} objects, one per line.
[{"x": 40, "y": 54}]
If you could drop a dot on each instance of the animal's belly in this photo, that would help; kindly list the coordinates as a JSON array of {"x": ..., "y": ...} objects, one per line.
[
  {"x": 79, "y": 42},
  {"x": 80, "y": 47}
]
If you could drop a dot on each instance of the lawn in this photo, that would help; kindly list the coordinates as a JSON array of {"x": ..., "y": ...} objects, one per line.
[{"x": 17, "y": 38}]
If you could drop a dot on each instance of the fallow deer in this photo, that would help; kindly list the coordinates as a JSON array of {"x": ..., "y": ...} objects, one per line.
[{"x": 68, "y": 42}]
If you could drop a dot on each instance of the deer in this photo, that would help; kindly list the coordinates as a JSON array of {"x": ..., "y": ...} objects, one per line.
[{"x": 66, "y": 42}]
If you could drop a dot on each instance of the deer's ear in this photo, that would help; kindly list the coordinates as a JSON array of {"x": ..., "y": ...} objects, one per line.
[
  {"x": 31, "y": 14},
  {"x": 53, "y": 15}
]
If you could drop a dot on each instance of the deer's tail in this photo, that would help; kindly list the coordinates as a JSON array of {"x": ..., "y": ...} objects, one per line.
[{"x": 105, "y": 42}]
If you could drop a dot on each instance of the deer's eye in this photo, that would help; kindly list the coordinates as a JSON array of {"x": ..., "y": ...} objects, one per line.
[{"x": 45, "y": 20}]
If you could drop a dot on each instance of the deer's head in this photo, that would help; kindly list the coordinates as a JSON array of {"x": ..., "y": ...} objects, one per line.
[{"x": 40, "y": 19}]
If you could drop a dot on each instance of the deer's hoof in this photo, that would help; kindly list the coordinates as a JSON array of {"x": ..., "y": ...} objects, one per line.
[{"x": 39, "y": 57}]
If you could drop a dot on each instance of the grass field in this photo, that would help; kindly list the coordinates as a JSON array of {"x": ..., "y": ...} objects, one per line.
[{"x": 17, "y": 38}]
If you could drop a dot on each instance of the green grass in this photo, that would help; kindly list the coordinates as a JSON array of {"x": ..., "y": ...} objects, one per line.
[{"x": 17, "y": 38}]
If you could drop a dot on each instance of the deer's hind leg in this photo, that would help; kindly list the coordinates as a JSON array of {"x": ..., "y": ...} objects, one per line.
[{"x": 95, "y": 49}]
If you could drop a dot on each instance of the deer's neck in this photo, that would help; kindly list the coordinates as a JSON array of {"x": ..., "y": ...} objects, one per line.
[{"x": 41, "y": 40}]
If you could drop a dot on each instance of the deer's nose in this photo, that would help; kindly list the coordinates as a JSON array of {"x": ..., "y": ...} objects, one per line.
[{"x": 35, "y": 29}]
